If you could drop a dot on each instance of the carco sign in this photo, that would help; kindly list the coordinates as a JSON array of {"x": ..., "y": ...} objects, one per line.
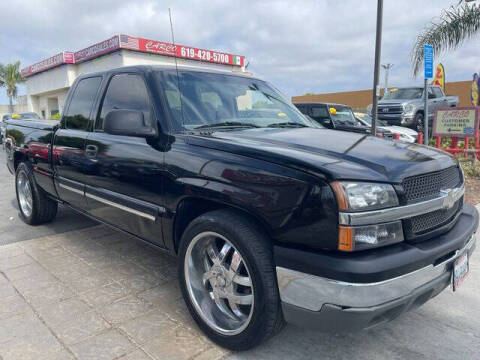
[
  {"x": 459, "y": 122},
  {"x": 179, "y": 51},
  {"x": 136, "y": 44}
]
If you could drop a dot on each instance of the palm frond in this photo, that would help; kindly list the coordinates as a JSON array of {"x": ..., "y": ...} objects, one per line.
[
  {"x": 2, "y": 75},
  {"x": 11, "y": 77},
  {"x": 456, "y": 24}
]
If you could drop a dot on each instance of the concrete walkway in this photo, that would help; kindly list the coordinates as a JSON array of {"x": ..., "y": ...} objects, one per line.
[{"x": 97, "y": 294}]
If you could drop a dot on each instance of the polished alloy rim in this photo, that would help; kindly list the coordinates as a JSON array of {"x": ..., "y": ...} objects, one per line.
[
  {"x": 24, "y": 194},
  {"x": 219, "y": 283}
]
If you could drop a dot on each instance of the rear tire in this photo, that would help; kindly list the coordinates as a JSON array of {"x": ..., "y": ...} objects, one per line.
[
  {"x": 35, "y": 206},
  {"x": 233, "y": 299}
]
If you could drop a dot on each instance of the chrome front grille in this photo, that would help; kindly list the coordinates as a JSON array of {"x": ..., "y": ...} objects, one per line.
[
  {"x": 427, "y": 186},
  {"x": 421, "y": 224},
  {"x": 390, "y": 109}
]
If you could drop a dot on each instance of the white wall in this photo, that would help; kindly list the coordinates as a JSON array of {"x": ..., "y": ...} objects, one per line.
[{"x": 105, "y": 62}]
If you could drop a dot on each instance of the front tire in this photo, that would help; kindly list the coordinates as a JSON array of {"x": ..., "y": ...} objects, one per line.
[
  {"x": 35, "y": 206},
  {"x": 228, "y": 280}
]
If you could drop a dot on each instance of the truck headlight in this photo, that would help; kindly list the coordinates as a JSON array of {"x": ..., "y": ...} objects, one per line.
[
  {"x": 371, "y": 236},
  {"x": 409, "y": 109},
  {"x": 359, "y": 196}
]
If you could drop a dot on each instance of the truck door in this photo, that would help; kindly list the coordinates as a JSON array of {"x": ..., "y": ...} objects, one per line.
[
  {"x": 440, "y": 99},
  {"x": 125, "y": 188},
  {"x": 69, "y": 159}
]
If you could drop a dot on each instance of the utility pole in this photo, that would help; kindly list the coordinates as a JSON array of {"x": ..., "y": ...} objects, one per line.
[
  {"x": 376, "y": 70},
  {"x": 387, "y": 68}
]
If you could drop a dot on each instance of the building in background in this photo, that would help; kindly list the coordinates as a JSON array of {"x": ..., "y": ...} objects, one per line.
[
  {"x": 359, "y": 100},
  {"x": 20, "y": 106},
  {"x": 47, "y": 82}
]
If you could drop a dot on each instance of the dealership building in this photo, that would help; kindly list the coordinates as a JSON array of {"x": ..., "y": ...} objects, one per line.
[{"x": 47, "y": 82}]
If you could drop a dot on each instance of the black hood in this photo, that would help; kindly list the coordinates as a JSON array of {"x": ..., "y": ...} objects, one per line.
[{"x": 336, "y": 154}]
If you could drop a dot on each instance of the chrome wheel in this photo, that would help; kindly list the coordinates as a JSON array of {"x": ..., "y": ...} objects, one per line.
[
  {"x": 24, "y": 192},
  {"x": 219, "y": 283}
]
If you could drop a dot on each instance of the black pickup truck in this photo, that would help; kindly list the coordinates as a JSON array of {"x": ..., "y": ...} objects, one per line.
[
  {"x": 338, "y": 117},
  {"x": 272, "y": 219}
]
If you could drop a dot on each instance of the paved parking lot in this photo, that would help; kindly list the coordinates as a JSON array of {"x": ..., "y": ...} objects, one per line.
[
  {"x": 92, "y": 293},
  {"x": 12, "y": 228}
]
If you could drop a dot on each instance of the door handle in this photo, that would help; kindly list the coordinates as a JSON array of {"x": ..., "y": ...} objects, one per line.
[{"x": 91, "y": 151}]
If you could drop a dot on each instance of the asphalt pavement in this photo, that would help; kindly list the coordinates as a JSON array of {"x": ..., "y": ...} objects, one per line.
[{"x": 13, "y": 229}]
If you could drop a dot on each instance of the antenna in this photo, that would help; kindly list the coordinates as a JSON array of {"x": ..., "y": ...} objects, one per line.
[{"x": 176, "y": 66}]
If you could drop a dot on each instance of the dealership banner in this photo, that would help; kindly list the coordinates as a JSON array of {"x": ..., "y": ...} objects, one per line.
[
  {"x": 137, "y": 44},
  {"x": 56, "y": 60},
  {"x": 101, "y": 48},
  {"x": 439, "y": 78},
  {"x": 179, "y": 51},
  {"x": 459, "y": 122}
]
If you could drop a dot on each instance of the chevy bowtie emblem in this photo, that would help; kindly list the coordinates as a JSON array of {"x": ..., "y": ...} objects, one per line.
[{"x": 449, "y": 199}]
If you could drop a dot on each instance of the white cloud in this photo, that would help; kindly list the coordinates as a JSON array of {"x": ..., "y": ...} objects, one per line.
[{"x": 301, "y": 46}]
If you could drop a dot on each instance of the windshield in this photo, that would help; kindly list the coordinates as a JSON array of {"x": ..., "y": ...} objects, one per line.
[
  {"x": 342, "y": 115},
  {"x": 405, "y": 93},
  {"x": 218, "y": 100}
]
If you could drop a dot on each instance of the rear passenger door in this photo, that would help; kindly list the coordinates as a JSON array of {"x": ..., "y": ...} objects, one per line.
[
  {"x": 70, "y": 162},
  {"x": 125, "y": 189}
]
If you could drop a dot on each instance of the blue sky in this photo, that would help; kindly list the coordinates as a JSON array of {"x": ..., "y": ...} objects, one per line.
[{"x": 300, "y": 46}]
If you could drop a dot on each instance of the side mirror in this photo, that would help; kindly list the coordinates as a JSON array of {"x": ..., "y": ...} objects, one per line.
[{"x": 127, "y": 123}]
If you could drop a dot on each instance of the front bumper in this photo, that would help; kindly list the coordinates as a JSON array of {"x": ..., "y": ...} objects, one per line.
[
  {"x": 335, "y": 305},
  {"x": 397, "y": 119}
]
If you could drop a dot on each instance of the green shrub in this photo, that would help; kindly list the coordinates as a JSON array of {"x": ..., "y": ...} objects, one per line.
[{"x": 471, "y": 171}]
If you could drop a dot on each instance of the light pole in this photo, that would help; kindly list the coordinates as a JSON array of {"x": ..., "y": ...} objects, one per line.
[
  {"x": 387, "y": 68},
  {"x": 376, "y": 69}
]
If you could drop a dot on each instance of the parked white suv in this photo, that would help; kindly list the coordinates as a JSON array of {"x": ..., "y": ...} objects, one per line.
[{"x": 406, "y": 134}]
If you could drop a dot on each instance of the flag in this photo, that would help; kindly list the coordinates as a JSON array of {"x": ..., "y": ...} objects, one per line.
[
  {"x": 129, "y": 42},
  {"x": 439, "y": 78}
]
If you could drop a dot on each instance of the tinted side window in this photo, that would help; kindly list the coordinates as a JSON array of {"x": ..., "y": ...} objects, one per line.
[
  {"x": 125, "y": 91},
  {"x": 320, "y": 112},
  {"x": 437, "y": 92},
  {"x": 78, "y": 113},
  {"x": 303, "y": 108}
]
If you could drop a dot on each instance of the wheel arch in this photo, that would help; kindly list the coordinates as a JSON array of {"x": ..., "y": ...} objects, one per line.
[
  {"x": 192, "y": 207},
  {"x": 18, "y": 158}
]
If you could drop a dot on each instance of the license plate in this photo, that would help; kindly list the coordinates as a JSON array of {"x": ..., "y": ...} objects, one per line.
[{"x": 460, "y": 271}]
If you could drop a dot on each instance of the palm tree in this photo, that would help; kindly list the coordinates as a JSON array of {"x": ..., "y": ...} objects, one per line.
[
  {"x": 9, "y": 78},
  {"x": 456, "y": 24}
]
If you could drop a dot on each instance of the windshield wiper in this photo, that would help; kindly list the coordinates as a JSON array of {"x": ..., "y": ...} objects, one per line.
[
  {"x": 288, "y": 124},
  {"x": 227, "y": 124}
]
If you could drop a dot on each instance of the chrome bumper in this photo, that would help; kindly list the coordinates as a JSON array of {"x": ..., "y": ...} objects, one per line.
[{"x": 312, "y": 292}]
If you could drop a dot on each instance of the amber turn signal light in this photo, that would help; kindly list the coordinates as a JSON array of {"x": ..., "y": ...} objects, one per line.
[
  {"x": 345, "y": 238},
  {"x": 340, "y": 196}
]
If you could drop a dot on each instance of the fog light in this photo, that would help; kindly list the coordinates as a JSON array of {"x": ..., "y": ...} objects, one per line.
[{"x": 370, "y": 236}]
